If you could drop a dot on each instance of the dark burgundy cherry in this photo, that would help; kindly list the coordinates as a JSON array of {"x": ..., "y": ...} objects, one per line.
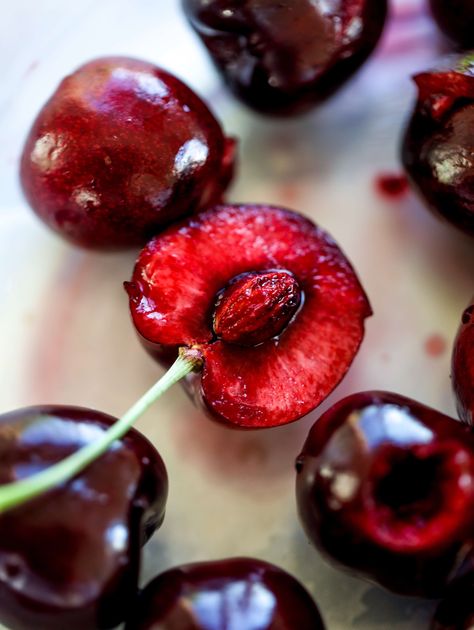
[
  {"x": 463, "y": 366},
  {"x": 438, "y": 147},
  {"x": 70, "y": 558},
  {"x": 120, "y": 150},
  {"x": 268, "y": 300},
  {"x": 456, "y": 611},
  {"x": 235, "y": 594},
  {"x": 385, "y": 488},
  {"x": 283, "y": 57},
  {"x": 456, "y": 19}
]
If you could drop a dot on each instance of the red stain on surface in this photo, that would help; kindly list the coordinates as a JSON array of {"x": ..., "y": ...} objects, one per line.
[
  {"x": 289, "y": 194},
  {"x": 435, "y": 345},
  {"x": 391, "y": 185}
]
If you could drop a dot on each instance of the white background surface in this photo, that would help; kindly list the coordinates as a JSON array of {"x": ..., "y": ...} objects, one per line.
[{"x": 65, "y": 335}]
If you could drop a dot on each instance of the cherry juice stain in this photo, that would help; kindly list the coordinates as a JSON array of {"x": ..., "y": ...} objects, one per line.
[
  {"x": 435, "y": 346},
  {"x": 391, "y": 186}
]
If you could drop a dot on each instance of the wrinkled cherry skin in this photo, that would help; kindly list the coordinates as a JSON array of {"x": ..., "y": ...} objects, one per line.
[
  {"x": 285, "y": 57},
  {"x": 456, "y": 611},
  {"x": 385, "y": 488},
  {"x": 240, "y": 593},
  {"x": 70, "y": 558},
  {"x": 120, "y": 150},
  {"x": 228, "y": 257},
  {"x": 463, "y": 366},
  {"x": 456, "y": 19},
  {"x": 438, "y": 146}
]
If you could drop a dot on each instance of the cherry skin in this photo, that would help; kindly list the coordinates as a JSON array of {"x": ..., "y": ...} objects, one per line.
[
  {"x": 266, "y": 298},
  {"x": 285, "y": 57},
  {"x": 456, "y": 19},
  {"x": 70, "y": 558},
  {"x": 456, "y": 611},
  {"x": 439, "y": 143},
  {"x": 120, "y": 150},
  {"x": 463, "y": 366},
  {"x": 240, "y": 593},
  {"x": 385, "y": 488}
]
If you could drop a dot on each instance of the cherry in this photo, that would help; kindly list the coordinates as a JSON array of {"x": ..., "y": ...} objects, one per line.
[
  {"x": 264, "y": 297},
  {"x": 439, "y": 143},
  {"x": 385, "y": 488},
  {"x": 239, "y": 593},
  {"x": 285, "y": 57},
  {"x": 70, "y": 558},
  {"x": 120, "y": 150},
  {"x": 463, "y": 366},
  {"x": 456, "y": 19},
  {"x": 456, "y": 612}
]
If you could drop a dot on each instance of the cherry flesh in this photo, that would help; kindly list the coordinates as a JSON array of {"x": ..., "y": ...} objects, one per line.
[
  {"x": 439, "y": 143},
  {"x": 240, "y": 593},
  {"x": 463, "y": 366},
  {"x": 285, "y": 57},
  {"x": 266, "y": 297},
  {"x": 70, "y": 558},
  {"x": 456, "y": 19},
  {"x": 120, "y": 150},
  {"x": 385, "y": 488}
]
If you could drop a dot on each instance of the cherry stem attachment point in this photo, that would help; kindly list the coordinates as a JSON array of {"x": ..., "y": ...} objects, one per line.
[{"x": 18, "y": 492}]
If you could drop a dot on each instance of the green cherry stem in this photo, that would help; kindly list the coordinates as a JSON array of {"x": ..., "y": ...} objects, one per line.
[{"x": 17, "y": 492}]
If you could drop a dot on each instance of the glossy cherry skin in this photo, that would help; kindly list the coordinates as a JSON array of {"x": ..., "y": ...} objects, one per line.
[
  {"x": 456, "y": 611},
  {"x": 121, "y": 149},
  {"x": 456, "y": 19},
  {"x": 463, "y": 366},
  {"x": 385, "y": 488},
  {"x": 266, "y": 298},
  {"x": 285, "y": 57},
  {"x": 234, "y": 594},
  {"x": 438, "y": 146},
  {"x": 70, "y": 558}
]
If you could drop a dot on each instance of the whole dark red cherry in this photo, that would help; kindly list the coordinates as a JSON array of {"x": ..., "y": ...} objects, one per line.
[
  {"x": 70, "y": 558},
  {"x": 456, "y": 19},
  {"x": 463, "y": 366},
  {"x": 456, "y": 611},
  {"x": 120, "y": 150},
  {"x": 265, "y": 297},
  {"x": 284, "y": 57},
  {"x": 234, "y": 594},
  {"x": 438, "y": 147},
  {"x": 385, "y": 488}
]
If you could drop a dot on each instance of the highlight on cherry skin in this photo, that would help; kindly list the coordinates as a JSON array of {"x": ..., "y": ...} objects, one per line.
[
  {"x": 264, "y": 297},
  {"x": 122, "y": 149},
  {"x": 285, "y": 57},
  {"x": 70, "y": 558},
  {"x": 462, "y": 368},
  {"x": 439, "y": 141},
  {"x": 385, "y": 489},
  {"x": 237, "y": 593},
  {"x": 456, "y": 19}
]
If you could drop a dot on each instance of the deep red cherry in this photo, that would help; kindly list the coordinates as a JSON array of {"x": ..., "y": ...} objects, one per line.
[
  {"x": 438, "y": 147},
  {"x": 268, "y": 300},
  {"x": 120, "y": 150},
  {"x": 463, "y": 366},
  {"x": 235, "y": 594},
  {"x": 70, "y": 558},
  {"x": 456, "y": 19},
  {"x": 284, "y": 57},
  {"x": 385, "y": 488},
  {"x": 456, "y": 612}
]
